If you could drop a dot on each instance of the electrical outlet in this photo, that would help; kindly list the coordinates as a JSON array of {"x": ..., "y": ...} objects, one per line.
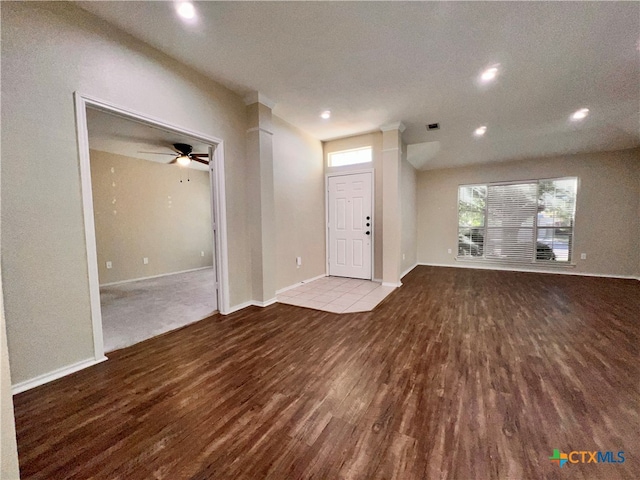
[
  {"x": 449, "y": 250},
  {"x": 109, "y": 265},
  {"x": 202, "y": 253},
  {"x": 583, "y": 256},
  {"x": 298, "y": 261},
  {"x": 403, "y": 256},
  {"x": 145, "y": 260}
]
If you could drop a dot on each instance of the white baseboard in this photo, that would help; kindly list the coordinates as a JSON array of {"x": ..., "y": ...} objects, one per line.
[
  {"x": 238, "y": 307},
  {"x": 250, "y": 303},
  {"x": 391, "y": 284},
  {"x": 529, "y": 270},
  {"x": 408, "y": 270},
  {"x": 153, "y": 276},
  {"x": 278, "y": 292},
  {"x": 266, "y": 303},
  {"x": 54, "y": 375}
]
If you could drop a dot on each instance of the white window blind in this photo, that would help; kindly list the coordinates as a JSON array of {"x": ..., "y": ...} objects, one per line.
[
  {"x": 511, "y": 212},
  {"x": 519, "y": 222}
]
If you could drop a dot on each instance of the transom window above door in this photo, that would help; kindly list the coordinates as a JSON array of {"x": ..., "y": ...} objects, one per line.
[{"x": 350, "y": 157}]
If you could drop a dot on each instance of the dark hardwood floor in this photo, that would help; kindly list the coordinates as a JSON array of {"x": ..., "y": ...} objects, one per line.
[{"x": 459, "y": 374}]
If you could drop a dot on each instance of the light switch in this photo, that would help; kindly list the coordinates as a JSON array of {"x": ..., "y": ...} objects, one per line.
[
  {"x": 109, "y": 265},
  {"x": 145, "y": 260},
  {"x": 583, "y": 256}
]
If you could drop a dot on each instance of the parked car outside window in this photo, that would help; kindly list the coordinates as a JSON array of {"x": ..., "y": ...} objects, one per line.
[{"x": 472, "y": 245}]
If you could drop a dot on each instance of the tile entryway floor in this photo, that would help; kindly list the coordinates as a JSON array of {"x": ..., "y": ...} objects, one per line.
[{"x": 336, "y": 294}]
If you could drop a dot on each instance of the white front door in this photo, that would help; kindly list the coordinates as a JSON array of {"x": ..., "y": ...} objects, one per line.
[{"x": 350, "y": 225}]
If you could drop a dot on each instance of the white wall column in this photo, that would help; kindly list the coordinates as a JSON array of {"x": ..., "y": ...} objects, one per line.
[
  {"x": 260, "y": 199},
  {"x": 391, "y": 213}
]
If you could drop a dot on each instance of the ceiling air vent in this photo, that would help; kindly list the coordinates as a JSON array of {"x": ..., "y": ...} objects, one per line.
[{"x": 433, "y": 126}]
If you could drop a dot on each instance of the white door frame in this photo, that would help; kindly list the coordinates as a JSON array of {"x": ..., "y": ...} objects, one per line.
[
  {"x": 373, "y": 216},
  {"x": 218, "y": 198}
]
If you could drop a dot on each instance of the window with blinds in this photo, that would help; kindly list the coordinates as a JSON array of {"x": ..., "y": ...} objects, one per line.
[{"x": 517, "y": 222}]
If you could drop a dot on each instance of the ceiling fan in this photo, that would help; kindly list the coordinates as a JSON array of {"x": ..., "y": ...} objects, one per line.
[{"x": 184, "y": 156}]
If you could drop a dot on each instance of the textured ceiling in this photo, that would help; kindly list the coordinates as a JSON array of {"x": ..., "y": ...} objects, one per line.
[
  {"x": 113, "y": 134},
  {"x": 418, "y": 62}
]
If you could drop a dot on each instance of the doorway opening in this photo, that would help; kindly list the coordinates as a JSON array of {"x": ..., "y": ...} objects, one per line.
[{"x": 155, "y": 231}]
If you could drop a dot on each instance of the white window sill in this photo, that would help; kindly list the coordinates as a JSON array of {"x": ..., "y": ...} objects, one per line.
[{"x": 541, "y": 264}]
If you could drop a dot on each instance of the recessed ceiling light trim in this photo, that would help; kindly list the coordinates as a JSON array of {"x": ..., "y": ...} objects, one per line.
[
  {"x": 186, "y": 10},
  {"x": 480, "y": 131},
  {"x": 580, "y": 114},
  {"x": 326, "y": 115},
  {"x": 489, "y": 74}
]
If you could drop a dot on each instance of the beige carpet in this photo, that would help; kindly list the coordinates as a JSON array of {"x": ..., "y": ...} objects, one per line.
[{"x": 135, "y": 311}]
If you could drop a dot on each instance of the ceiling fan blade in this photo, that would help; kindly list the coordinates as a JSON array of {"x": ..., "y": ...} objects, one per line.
[
  {"x": 205, "y": 162},
  {"x": 157, "y": 153},
  {"x": 173, "y": 161},
  {"x": 200, "y": 155}
]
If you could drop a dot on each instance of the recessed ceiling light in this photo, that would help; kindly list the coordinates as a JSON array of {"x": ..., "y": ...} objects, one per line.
[
  {"x": 186, "y": 10},
  {"x": 580, "y": 114},
  {"x": 489, "y": 74},
  {"x": 326, "y": 114},
  {"x": 480, "y": 131}
]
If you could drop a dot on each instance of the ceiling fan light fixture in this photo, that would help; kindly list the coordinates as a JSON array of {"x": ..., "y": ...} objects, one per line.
[{"x": 183, "y": 160}]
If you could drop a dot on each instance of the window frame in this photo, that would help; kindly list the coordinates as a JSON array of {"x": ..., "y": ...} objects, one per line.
[{"x": 534, "y": 260}]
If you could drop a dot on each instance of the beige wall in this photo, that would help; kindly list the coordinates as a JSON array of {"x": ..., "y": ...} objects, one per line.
[
  {"x": 374, "y": 140},
  {"x": 142, "y": 209},
  {"x": 606, "y": 224},
  {"x": 299, "y": 204},
  {"x": 49, "y": 51},
  {"x": 9, "y": 468},
  {"x": 408, "y": 179}
]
